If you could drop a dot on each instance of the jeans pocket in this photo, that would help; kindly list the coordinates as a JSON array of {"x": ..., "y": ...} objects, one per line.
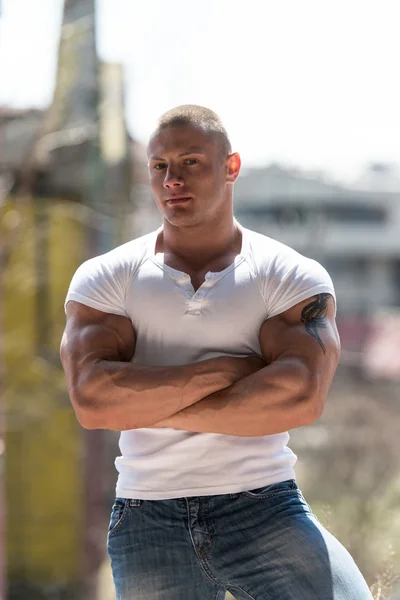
[
  {"x": 274, "y": 489},
  {"x": 119, "y": 512}
]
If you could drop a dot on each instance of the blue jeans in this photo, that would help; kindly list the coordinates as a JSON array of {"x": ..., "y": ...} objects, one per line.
[{"x": 263, "y": 544}]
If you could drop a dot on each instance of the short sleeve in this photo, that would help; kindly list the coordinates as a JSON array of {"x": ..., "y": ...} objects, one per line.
[
  {"x": 100, "y": 283},
  {"x": 292, "y": 279}
]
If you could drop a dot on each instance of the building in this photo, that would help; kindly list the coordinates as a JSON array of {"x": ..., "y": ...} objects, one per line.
[
  {"x": 67, "y": 192},
  {"x": 353, "y": 231}
]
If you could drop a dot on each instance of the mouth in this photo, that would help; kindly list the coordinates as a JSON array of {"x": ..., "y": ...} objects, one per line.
[{"x": 176, "y": 200}]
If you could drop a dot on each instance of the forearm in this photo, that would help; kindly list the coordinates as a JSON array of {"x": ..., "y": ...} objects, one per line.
[
  {"x": 119, "y": 396},
  {"x": 277, "y": 398}
]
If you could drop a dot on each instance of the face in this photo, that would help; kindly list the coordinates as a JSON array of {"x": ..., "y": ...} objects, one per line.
[{"x": 189, "y": 175}]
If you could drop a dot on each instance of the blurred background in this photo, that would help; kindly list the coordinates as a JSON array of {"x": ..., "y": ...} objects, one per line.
[{"x": 309, "y": 94}]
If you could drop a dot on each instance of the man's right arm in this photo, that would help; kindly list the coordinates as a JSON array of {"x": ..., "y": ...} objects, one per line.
[{"x": 107, "y": 391}]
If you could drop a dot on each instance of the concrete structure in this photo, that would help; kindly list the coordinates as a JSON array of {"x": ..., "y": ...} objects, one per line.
[{"x": 66, "y": 182}]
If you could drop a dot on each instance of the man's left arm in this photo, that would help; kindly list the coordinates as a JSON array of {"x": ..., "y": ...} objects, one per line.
[{"x": 301, "y": 348}]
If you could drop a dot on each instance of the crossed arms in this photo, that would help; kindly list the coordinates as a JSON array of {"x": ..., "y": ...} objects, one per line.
[{"x": 234, "y": 396}]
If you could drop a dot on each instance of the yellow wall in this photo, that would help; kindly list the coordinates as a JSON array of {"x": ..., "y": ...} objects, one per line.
[{"x": 44, "y": 443}]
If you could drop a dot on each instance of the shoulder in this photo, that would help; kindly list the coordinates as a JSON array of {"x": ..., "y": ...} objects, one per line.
[
  {"x": 284, "y": 276},
  {"x": 270, "y": 256},
  {"x": 101, "y": 282},
  {"x": 123, "y": 260}
]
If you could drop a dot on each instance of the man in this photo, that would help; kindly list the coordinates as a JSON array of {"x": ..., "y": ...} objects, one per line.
[{"x": 203, "y": 343}]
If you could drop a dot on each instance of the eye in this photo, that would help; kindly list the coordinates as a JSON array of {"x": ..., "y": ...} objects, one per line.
[
  {"x": 191, "y": 161},
  {"x": 159, "y": 166}
]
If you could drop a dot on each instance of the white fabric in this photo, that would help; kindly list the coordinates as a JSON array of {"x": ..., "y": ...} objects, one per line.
[{"x": 175, "y": 325}]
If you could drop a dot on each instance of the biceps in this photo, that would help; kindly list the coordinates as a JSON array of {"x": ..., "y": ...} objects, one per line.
[
  {"x": 307, "y": 331},
  {"x": 93, "y": 342},
  {"x": 308, "y": 368},
  {"x": 93, "y": 335}
]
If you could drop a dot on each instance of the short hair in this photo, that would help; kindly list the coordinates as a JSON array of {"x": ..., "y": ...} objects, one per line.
[{"x": 192, "y": 114}]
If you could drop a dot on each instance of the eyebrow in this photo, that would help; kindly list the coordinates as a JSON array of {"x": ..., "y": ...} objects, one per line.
[{"x": 192, "y": 150}]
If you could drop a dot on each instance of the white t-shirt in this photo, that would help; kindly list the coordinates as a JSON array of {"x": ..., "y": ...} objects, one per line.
[{"x": 175, "y": 325}]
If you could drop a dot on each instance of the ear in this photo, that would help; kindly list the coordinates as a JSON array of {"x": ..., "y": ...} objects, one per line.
[{"x": 234, "y": 164}]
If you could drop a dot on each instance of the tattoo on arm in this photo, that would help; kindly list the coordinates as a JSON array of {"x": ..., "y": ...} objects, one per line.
[{"x": 313, "y": 316}]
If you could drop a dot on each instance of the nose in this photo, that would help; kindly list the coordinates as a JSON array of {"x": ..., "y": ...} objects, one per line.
[{"x": 172, "y": 178}]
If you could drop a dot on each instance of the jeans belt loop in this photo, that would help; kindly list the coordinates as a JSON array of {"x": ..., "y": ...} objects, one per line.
[{"x": 135, "y": 502}]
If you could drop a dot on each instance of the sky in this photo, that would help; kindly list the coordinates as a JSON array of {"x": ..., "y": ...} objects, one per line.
[{"x": 310, "y": 83}]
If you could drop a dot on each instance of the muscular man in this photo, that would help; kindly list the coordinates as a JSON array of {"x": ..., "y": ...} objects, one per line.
[{"x": 204, "y": 342}]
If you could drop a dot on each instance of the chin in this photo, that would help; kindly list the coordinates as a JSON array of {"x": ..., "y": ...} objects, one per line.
[{"x": 181, "y": 220}]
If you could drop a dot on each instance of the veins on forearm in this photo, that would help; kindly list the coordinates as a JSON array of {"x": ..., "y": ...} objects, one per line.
[{"x": 314, "y": 316}]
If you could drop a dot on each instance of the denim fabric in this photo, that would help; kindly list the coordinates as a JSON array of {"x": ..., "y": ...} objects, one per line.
[{"x": 262, "y": 544}]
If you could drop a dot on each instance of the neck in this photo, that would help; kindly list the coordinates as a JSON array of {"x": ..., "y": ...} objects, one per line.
[{"x": 200, "y": 242}]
